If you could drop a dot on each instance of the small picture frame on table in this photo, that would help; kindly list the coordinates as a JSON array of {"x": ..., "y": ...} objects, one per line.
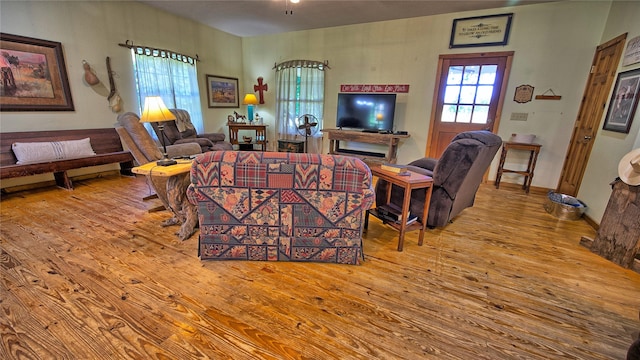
[{"x": 222, "y": 92}]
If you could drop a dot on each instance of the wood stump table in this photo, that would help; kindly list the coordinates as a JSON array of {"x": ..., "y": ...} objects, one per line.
[
  {"x": 175, "y": 179},
  {"x": 618, "y": 237}
]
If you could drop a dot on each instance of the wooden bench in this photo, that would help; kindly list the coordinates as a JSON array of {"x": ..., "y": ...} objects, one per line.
[{"x": 105, "y": 142}]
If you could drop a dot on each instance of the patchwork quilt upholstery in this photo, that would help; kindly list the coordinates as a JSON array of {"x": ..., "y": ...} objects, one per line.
[{"x": 280, "y": 206}]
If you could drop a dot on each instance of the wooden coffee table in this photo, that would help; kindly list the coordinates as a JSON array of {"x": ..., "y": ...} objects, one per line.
[
  {"x": 176, "y": 179},
  {"x": 408, "y": 183}
]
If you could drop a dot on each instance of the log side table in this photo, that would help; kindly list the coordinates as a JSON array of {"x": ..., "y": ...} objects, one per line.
[
  {"x": 408, "y": 183},
  {"x": 176, "y": 178},
  {"x": 534, "y": 150}
]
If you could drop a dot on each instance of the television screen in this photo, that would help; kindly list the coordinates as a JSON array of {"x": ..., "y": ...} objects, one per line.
[{"x": 370, "y": 111}]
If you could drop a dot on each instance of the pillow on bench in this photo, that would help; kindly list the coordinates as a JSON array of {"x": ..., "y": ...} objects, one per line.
[{"x": 37, "y": 152}]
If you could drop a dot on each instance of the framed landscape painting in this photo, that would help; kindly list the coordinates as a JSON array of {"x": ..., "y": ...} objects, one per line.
[
  {"x": 222, "y": 92},
  {"x": 33, "y": 75},
  {"x": 623, "y": 103}
]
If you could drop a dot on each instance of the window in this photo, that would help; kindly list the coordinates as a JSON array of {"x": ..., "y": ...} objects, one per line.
[
  {"x": 300, "y": 92},
  {"x": 468, "y": 93},
  {"x": 171, "y": 76}
]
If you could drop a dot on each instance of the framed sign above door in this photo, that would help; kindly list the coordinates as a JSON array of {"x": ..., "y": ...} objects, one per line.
[{"x": 489, "y": 30}]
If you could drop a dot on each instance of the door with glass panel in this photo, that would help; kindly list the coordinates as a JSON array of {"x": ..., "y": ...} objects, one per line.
[{"x": 468, "y": 96}]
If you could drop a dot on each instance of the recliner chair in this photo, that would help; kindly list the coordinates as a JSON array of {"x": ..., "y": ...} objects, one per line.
[
  {"x": 144, "y": 149},
  {"x": 182, "y": 131},
  {"x": 456, "y": 177}
]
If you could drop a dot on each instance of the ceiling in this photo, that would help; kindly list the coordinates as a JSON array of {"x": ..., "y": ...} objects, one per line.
[{"x": 259, "y": 17}]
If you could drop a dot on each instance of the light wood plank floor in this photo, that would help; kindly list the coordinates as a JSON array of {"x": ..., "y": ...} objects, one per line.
[{"x": 90, "y": 274}]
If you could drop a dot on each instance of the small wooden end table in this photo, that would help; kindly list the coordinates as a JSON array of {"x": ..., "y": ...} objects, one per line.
[
  {"x": 533, "y": 149},
  {"x": 408, "y": 183},
  {"x": 259, "y": 130},
  {"x": 176, "y": 179}
]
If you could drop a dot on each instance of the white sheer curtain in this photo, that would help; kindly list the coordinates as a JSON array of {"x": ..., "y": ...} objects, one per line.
[
  {"x": 300, "y": 91},
  {"x": 171, "y": 76}
]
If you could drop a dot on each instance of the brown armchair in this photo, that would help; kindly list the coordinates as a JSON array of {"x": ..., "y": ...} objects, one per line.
[
  {"x": 456, "y": 177},
  {"x": 182, "y": 131}
]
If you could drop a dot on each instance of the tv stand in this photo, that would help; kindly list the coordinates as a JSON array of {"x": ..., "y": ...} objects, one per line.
[{"x": 391, "y": 140}]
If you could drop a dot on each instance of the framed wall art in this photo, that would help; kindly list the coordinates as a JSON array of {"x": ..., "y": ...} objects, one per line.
[
  {"x": 481, "y": 31},
  {"x": 222, "y": 92},
  {"x": 33, "y": 75},
  {"x": 623, "y": 103}
]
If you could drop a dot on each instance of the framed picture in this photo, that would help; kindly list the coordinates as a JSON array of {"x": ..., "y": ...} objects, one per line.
[
  {"x": 624, "y": 102},
  {"x": 33, "y": 75},
  {"x": 481, "y": 31},
  {"x": 222, "y": 92}
]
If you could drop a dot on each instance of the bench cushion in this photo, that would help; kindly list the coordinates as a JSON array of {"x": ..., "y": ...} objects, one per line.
[{"x": 37, "y": 152}]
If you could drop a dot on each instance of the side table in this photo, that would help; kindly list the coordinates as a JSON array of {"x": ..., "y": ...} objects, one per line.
[
  {"x": 176, "y": 179},
  {"x": 260, "y": 133},
  {"x": 534, "y": 150},
  {"x": 408, "y": 183}
]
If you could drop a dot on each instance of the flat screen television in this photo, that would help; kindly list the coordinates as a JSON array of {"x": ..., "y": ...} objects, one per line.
[{"x": 368, "y": 111}]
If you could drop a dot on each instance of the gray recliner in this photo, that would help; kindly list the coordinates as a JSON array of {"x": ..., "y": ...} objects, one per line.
[
  {"x": 456, "y": 177},
  {"x": 182, "y": 131}
]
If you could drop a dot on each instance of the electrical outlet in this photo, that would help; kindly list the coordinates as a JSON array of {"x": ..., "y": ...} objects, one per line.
[{"x": 519, "y": 116}]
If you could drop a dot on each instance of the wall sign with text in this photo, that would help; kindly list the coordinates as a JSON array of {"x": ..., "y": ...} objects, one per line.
[
  {"x": 489, "y": 30},
  {"x": 374, "y": 88}
]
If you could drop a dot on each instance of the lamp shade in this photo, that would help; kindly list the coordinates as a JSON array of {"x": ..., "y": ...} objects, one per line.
[
  {"x": 155, "y": 110},
  {"x": 250, "y": 99}
]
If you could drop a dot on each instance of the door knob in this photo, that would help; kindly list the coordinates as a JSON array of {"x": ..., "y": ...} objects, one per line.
[{"x": 587, "y": 137}]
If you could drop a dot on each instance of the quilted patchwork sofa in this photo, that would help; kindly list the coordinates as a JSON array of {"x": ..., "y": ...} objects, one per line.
[{"x": 280, "y": 206}]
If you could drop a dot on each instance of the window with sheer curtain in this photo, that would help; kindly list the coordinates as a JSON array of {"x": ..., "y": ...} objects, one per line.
[
  {"x": 300, "y": 91},
  {"x": 171, "y": 76}
]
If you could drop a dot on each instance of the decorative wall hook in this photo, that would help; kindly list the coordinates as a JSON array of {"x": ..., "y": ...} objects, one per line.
[{"x": 544, "y": 95}]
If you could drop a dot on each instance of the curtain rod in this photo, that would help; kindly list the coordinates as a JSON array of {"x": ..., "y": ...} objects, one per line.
[
  {"x": 302, "y": 63},
  {"x": 129, "y": 45}
]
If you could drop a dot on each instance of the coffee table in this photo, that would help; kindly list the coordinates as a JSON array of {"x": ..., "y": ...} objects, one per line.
[
  {"x": 175, "y": 179},
  {"x": 408, "y": 183}
]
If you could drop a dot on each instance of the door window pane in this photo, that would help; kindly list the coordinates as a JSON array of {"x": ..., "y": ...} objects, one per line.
[
  {"x": 464, "y": 114},
  {"x": 468, "y": 95},
  {"x": 451, "y": 94},
  {"x": 449, "y": 113},
  {"x": 480, "y": 114},
  {"x": 455, "y": 75},
  {"x": 484, "y": 95},
  {"x": 488, "y": 74}
]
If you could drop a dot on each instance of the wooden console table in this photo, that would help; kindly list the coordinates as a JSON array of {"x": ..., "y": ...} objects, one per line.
[
  {"x": 391, "y": 140},
  {"x": 259, "y": 132},
  {"x": 408, "y": 183},
  {"x": 176, "y": 178},
  {"x": 534, "y": 150}
]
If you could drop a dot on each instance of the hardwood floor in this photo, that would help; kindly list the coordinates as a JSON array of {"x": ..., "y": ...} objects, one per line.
[{"x": 90, "y": 274}]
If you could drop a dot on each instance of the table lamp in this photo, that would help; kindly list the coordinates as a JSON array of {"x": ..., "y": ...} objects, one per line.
[
  {"x": 156, "y": 111},
  {"x": 250, "y": 100}
]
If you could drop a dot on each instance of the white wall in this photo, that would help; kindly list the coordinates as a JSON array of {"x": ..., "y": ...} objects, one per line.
[
  {"x": 609, "y": 146},
  {"x": 91, "y": 31},
  {"x": 553, "y": 43}
]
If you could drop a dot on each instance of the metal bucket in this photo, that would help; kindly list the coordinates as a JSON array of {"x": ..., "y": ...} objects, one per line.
[{"x": 564, "y": 207}]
